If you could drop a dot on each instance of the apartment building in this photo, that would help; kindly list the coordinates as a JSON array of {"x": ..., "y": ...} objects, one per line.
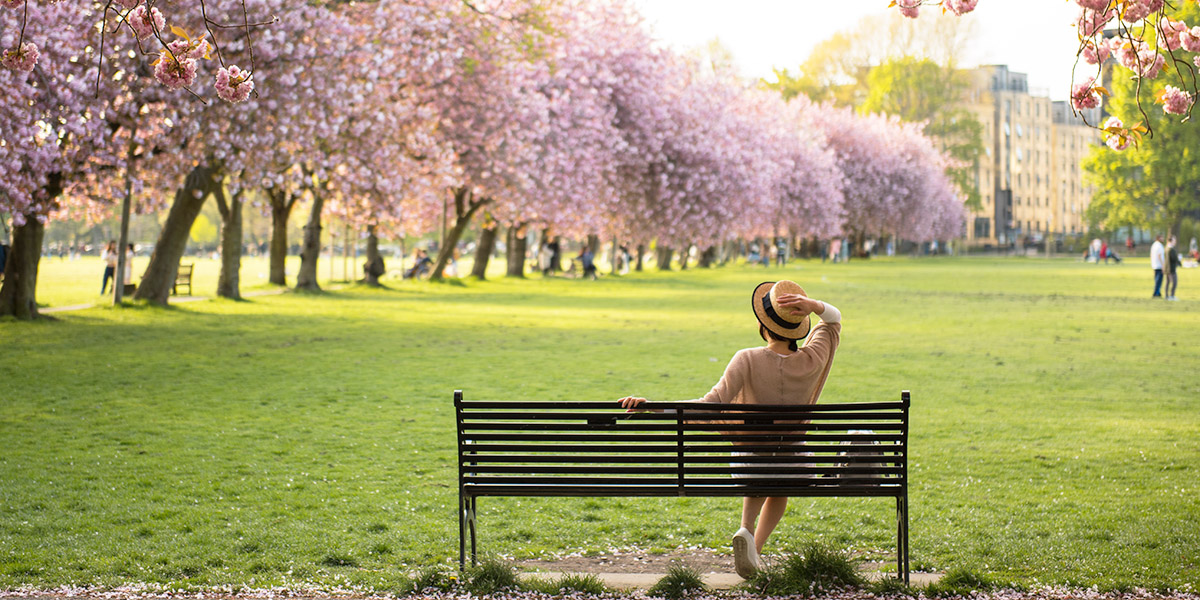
[{"x": 1030, "y": 176}]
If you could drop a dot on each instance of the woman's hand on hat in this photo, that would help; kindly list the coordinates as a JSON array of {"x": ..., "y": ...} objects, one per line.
[{"x": 800, "y": 303}]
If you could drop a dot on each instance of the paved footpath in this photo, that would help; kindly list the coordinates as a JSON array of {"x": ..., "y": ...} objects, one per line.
[{"x": 716, "y": 581}]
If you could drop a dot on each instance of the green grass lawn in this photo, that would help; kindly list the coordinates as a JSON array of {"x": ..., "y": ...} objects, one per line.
[{"x": 304, "y": 438}]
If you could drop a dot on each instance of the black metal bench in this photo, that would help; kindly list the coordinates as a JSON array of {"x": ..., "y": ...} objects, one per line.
[{"x": 519, "y": 448}]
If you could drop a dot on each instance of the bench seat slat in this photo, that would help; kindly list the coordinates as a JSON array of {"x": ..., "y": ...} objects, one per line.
[
  {"x": 673, "y": 426},
  {"x": 665, "y": 458},
  {"x": 663, "y": 437},
  {"x": 718, "y": 446},
  {"x": 520, "y": 405},
  {"x": 669, "y": 469},
  {"x": 792, "y": 487},
  {"x": 609, "y": 415}
]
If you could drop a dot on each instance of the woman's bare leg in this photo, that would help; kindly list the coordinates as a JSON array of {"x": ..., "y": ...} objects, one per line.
[
  {"x": 750, "y": 509},
  {"x": 772, "y": 512}
]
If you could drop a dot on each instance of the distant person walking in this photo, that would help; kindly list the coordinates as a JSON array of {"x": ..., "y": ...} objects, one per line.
[
  {"x": 110, "y": 266},
  {"x": 1171, "y": 263},
  {"x": 129, "y": 265},
  {"x": 1157, "y": 259}
]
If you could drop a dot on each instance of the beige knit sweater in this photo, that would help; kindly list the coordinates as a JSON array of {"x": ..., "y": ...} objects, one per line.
[{"x": 760, "y": 376}]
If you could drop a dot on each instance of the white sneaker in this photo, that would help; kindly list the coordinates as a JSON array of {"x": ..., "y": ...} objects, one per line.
[{"x": 745, "y": 557}]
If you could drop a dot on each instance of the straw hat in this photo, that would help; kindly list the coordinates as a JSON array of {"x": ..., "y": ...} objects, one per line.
[{"x": 784, "y": 322}]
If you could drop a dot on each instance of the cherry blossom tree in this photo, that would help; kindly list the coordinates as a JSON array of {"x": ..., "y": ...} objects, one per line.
[
  {"x": 895, "y": 181},
  {"x": 67, "y": 138},
  {"x": 286, "y": 140},
  {"x": 176, "y": 54}
]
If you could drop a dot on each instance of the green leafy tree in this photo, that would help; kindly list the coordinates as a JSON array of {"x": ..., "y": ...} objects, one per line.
[
  {"x": 837, "y": 69},
  {"x": 1154, "y": 184},
  {"x": 920, "y": 90},
  {"x": 834, "y": 72}
]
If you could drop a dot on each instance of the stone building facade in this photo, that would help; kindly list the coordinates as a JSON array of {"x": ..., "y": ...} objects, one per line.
[{"x": 1030, "y": 175}]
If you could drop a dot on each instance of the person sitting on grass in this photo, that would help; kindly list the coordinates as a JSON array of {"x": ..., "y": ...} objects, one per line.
[{"x": 782, "y": 372}]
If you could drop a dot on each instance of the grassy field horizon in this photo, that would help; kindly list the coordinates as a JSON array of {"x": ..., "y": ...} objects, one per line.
[{"x": 300, "y": 438}]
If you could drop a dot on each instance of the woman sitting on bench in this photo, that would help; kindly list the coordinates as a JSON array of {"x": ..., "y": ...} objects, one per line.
[{"x": 782, "y": 372}]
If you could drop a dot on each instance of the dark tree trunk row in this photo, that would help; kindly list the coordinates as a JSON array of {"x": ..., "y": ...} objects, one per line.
[
  {"x": 281, "y": 210},
  {"x": 664, "y": 258},
  {"x": 228, "y": 283},
  {"x": 465, "y": 207},
  {"x": 172, "y": 240},
  {"x": 18, "y": 296},
  {"x": 310, "y": 252},
  {"x": 515, "y": 250},
  {"x": 484, "y": 249},
  {"x": 374, "y": 267},
  {"x": 641, "y": 255}
]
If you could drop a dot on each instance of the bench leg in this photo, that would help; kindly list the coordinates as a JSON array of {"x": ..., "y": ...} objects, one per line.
[
  {"x": 471, "y": 525},
  {"x": 466, "y": 525},
  {"x": 902, "y": 564},
  {"x": 462, "y": 538}
]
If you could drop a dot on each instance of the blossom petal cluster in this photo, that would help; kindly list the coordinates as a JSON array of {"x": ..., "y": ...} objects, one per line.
[
  {"x": 21, "y": 59},
  {"x": 175, "y": 72},
  {"x": 145, "y": 23},
  {"x": 1175, "y": 101},
  {"x": 234, "y": 84}
]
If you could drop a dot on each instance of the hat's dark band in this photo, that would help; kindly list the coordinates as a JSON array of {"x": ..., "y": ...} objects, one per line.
[{"x": 770, "y": 310}]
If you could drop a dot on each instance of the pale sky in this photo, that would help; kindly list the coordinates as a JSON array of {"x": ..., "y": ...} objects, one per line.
[{"x": 763, "y": 34}]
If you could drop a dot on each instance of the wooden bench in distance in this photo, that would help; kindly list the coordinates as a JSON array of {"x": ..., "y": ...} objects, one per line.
[
  {"x": 587, "y": 449},
  {"x": 183, "y": 277}
]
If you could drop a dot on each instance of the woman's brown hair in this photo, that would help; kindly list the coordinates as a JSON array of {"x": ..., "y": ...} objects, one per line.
[{"x": 764, "y": 332}]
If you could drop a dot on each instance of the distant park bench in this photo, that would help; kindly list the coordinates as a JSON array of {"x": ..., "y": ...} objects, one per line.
[
  {"x": 182, "y": 278},
  {"x": 586, "y": 449}
]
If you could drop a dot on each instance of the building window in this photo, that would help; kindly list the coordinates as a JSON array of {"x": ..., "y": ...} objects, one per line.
[{"x": 983, "y": 227}]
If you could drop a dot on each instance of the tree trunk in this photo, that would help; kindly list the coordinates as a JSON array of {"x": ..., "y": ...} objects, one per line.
[
  {"x": 708, "y": 257},
  {"x": 18, "y": 294},
  {"x": 281, "y": 211},
  {"x": 684, "y": 254},
  {"x": 612, "y": 256},
  {"x": 465, "y": 208},
  {"x": 126, "y": 205},
  {"x": 515, "y": 253},
  {"x": 641, "y": 255},
  {"x": 172, "y": 240},
  {"x": 310, "y": 252},
  {"x": 228, "y": 283},
  {"x": 374, "y": 267},
  {"x": 484, "y": 249},
  {"x": 556, "y": 257},
  {"x": 664, "y": 258}
]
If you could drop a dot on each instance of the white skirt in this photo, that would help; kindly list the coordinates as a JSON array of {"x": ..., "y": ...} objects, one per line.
[{"x": 763, "y": 475}]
